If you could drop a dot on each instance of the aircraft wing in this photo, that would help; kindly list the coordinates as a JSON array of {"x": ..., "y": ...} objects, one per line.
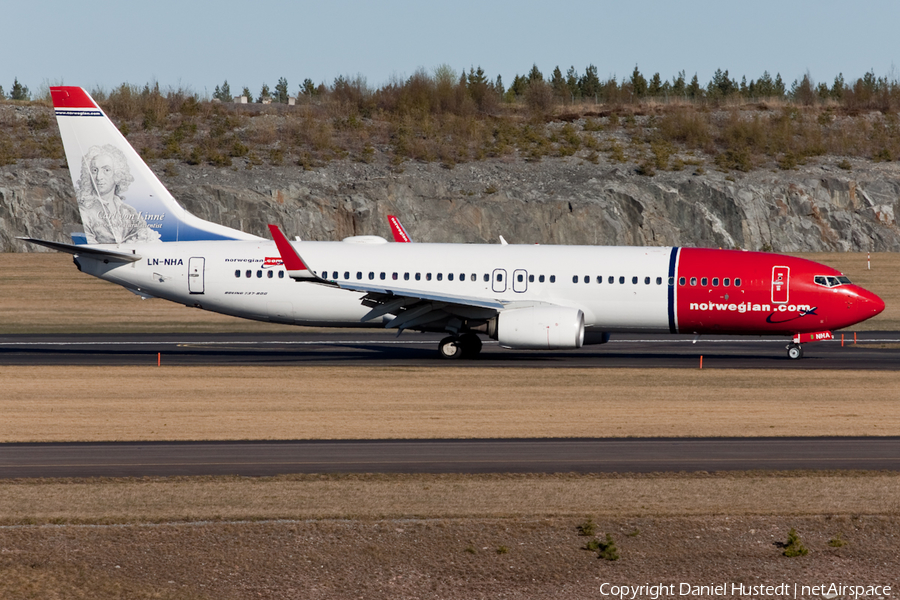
[
  {"x": 411, "y": 308},
  {"x": 85, "y": 250}
]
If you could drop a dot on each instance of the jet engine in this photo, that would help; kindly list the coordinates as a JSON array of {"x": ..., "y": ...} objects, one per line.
[{"x": 541, "y": 328}]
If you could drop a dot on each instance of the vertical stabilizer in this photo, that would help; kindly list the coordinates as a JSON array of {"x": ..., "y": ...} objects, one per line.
[{"x": 119, "y": 197}]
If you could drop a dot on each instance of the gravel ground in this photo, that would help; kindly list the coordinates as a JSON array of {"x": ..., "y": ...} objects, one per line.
[{"x": 438, "y": 558}]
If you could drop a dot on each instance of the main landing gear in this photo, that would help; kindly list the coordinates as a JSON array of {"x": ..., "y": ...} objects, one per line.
[
  {"x": 794, "y": 351},
  {"x": 467, "y": 345}
]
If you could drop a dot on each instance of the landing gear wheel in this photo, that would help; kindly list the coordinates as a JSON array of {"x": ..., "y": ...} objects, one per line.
[
  {"x": 794, "y": 351},
  {"x": 471, "y": 345},
  {"x": 450, "y": 348}
]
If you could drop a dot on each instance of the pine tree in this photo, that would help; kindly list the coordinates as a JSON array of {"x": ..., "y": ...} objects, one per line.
[
  {"x": 264, "y": 94},
  {"x": 308, "y": 88},
  {"x": 535, "y": 74},
  {"x": 693, "y": 90},
  {"x": 281, "y": 91},
  {"x": 589, "y": 83},
  {"x": 2, "y": 96},
  {"x": 558, "y": 83},
  {"x": 498, "y": 86},
  {"x": 223, "y": 93},
  {"x": 678, "y": 84},
  {"x": 837, "y": 89},
  {"x": 572, "y": 82},
  {"x": 246, "y": 94},
  {"x": 654, "y": 88},
  {"x": 19, "y": 91},
  {"x": 778, "y": 88},
  {"x": 638, "y": 83}
]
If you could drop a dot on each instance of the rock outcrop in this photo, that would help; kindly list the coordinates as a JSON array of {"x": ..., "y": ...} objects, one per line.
[{"x": 556, "y": 201}]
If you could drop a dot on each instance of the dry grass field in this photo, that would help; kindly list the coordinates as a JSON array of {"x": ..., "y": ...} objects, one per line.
[
  {"x": 228, "y": 403},
  {"x": 45, "y": 293}
]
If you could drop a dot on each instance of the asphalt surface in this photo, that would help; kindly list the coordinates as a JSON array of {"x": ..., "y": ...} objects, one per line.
[
  {"x": 140, "y": 459},
  {"x": 874, "y": 350}
]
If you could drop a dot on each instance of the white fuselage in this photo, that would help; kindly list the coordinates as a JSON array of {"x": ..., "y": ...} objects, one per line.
[{"x": 246, "y": 279}]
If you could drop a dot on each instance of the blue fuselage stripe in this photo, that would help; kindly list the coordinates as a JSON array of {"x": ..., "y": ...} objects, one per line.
[{"x": 673, "y": 260}]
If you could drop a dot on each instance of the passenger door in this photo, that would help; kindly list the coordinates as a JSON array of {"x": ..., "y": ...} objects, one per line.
[
  {"x": 196, "y": 268},
  {"x": 780, "y": 282}
]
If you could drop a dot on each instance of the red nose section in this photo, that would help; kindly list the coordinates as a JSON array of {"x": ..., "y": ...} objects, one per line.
[{"x": 868, "y": 304}]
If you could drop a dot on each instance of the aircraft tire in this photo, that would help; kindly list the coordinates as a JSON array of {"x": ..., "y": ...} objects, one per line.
[
  {"x": 794, "y": 352},
  {"x": 471, "y": 345},
  {"x": 450, "y": 348}
]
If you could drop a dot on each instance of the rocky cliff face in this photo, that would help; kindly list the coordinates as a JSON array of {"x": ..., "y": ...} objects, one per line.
[{"x": 556, "y": 201}]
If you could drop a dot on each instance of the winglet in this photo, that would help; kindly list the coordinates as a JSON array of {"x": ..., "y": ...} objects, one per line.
[
  {"x": 397, "y": 230},
  {"x": 293, "y": 264}
]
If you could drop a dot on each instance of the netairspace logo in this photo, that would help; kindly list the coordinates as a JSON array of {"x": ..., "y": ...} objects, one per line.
[{"x": 730, "y": 590}]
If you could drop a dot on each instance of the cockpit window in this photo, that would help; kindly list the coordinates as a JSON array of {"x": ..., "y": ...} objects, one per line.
[{"x": 831, "y": 281}]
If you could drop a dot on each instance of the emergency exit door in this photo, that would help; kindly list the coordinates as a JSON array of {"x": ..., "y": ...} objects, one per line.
[{"x": 196, "y": 266}]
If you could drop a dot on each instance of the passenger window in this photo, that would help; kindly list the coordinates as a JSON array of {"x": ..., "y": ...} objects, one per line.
[
  {"x": 704, "y": 281},
  {"x": 427, "y": 276},
  {"x": 553, "y": 279},
  {"x": 646, "y": 281},
  {"x": 259, "y": 274},
  {"x": 531, "y": 279},
  {"x": 269, "y": 274},
  {"x": 440, "y": 276},
  {"x": 737, "y": 282},
  {"x": 659, "y": 281},
  {"x": 280, "y": 274},
  {"x": 499, "y": 276},
  {"x": 449, "y": 276},
  {"x": 672, "y": 281},
  {"x": 371, "y": 275},
  {"x": 621, "y": 280},
  {"x": 599, "y": 278},
  {"x": 406, "y": 277},
  {"x": 681, "y": 281},
  {"x": 715, "y": 282},
  {"x": 359, "y": 274},
  {"x": 418, "y": 277},
  {"x": 612, "y": 279},
  {"x": 587, "y": 278},
  {"x": 487, "y": 277},
  {"x": 574, "y": 278},
  {"x": 726, "y": 282},
  {"x": 237, "y": 273},
  {"x": 541, "y": 279},
  {"x": 520, "y": 278},
  {"x": 395, "y": 277},
  {"x": 693, "y": 281},
  {"x": 346, "y": 274},
  {"x": 462, "y": 276},
  {"x": 634, "y": 280},
  {"x": 249, "y": 273},
  {"x": 382, "y": 276},
  {"x": 474, "y": 277}
]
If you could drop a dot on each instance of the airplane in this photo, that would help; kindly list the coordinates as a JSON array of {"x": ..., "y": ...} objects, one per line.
[{"x": 525, "y": 296}]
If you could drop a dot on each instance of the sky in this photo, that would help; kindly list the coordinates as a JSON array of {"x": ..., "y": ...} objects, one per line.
[{"x": 198, "y": 44}]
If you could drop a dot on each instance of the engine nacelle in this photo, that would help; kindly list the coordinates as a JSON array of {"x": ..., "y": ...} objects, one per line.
[{"x": 541, "y": 328}]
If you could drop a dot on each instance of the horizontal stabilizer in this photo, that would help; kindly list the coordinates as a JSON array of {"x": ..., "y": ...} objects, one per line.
[{"x": 85, "y": 250}]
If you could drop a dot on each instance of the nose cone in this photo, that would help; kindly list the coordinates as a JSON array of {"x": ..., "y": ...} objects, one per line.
[{"x": 868, "y": 304}]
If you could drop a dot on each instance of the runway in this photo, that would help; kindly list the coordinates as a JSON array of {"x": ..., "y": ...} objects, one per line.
[
  {"x": 264, "y": 458},
  {"x": 874, "y": 350}
]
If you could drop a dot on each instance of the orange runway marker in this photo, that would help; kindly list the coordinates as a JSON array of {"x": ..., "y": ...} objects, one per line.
[
  {"x": 158, "y": 358},
  {"x": 701, "y": 362}
]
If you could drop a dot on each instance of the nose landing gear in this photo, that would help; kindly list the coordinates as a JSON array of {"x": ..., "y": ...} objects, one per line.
[{"x": 794, "y": 351}]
